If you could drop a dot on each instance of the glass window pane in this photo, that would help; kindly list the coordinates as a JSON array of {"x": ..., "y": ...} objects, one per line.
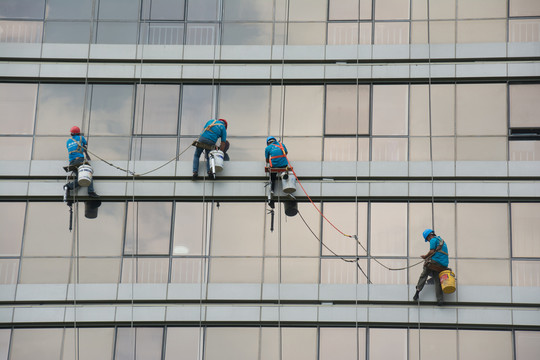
[
  {"x": 161, "y": 33},
  {"x": 118, "y": 9},
  {"x": 440, "y": 32},
  {"x": 50, "y": 148},
  {"x": 306, "y": 33},
  {"x": 231, "y": 343},
  {"x": 159, "y": 109},
  {"x": 391, "y": 10},
  {"x": 153, "y": 148},
  {"x": 525, "y": 229},
  {"x": 387, "y": 344},
  {"x": 524, "y": 30},
  {"x": 203, "y": 10},
  {"x": 346, "y": 149},
  {"x": 151, "y": 231},
  {"x": 481, "y": 31},
  {"x": 98, "y": 271},
  {"x": 202, "y": 34},
  {"x": 105, "y": 239},
  {"x": 246, "y": 149},
  {"x": 347, "y": 109},
  {"x": 527, "y": 344},
  {"x": 293, "y": 271},
  {"x": 11, "y": 223},
  {"x": 110, "y": 148},
  {"x": 442, "y": 110},
  {"x": 188, "y": 228},
  {"x": 348, "y": 10},
  {"x": 390, "y": 109},
  {"x": 483, "y": 272},
  {"x": 524, "y": 105},
  {"x": 389, "y": 149},
  {"x": 478, "y": 9},
  {"x": 67, "y": 32},
  {"x": 487, "y": 224},
  {"x": 52, "y": 217},
  {"x": 524, "y": 150},
  {"x": 116, "y": 32},
  {"x": 391, "y": 33},
  {"x": 111, "y": 110},
  {"x": 307, "y": 10},
  {"x": 187, "y": 270},
  {"x": 247, "y": 107},
  {"x": 524, "y": 8},
  {"x": 247, "y": 10},
  {"x": 495, "y": 345},
  {"x": 388, "y": 229},
  {"x": 294, "y": 240},
  {"x": 9, "y": 271},
  {"x": 438, "y": 9},
  {"x": 147, "y": 270},
  {"x": 45, "y": 344},
  {"x": 17, "y": 106},
  {"x": 93, "y": 343},
  {"x": 380, "y": 275},
  {"x": 24, "y": 9},
  {"x": 45, "y": 271},
  {"x": 183, "y": 340},
  {"x": 244, "y": 240},
  {"x": 338, "y": 271},
  {"x": 351, "y": 219},
  {"x": 443, "y": 149},
  {"x": 481, "y": 148},
  {"x": 429, "y": 338},
  {"x": 5, "y": 336},
  {"x": 342, "y": 343},
  {"x": 60, "y": 106},
  {"x": 196, "y": 108},
  {"x": 526, "y": 273},
  {"x": 21, "y": 31},
  {"x": 139, "y": 343},
  {"x": 15, "y": 148},
  {"x": 481, "y": 109},
  {"x": 247, "y": 34},
  {"x": 163, "y": 9},
  {"x": 347, "y": 33},
  {"x": 304, "y": 110},
  {"x": 235, "y": 270},
  {"x": 299, "y": 343},
  {"x": 69, "y": 9}
]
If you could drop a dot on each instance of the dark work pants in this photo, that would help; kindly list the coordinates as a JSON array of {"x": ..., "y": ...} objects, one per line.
[{"x": 426, "y": 272}]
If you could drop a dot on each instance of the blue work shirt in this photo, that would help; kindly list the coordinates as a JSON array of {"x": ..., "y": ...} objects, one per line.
[
  {"x": 438, "y": 256},
  {"x": 74, "y": 149},
  {"x": 214, "y": 132},
  {"x": 274, "y": 155}
]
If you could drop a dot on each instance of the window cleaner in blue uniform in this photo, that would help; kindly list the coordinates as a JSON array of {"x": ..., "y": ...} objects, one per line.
[
  {"x": 213, "y": 129},
  {"x": 436, "y": 260},
  {"x": 76, "y": 146},
  {"x": 275, "y": 155}
]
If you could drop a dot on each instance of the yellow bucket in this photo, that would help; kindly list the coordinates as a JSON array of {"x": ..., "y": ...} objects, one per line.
[{"x": 448, "y": 281}]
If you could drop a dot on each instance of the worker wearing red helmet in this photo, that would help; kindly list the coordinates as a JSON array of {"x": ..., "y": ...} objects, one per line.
[
  {"x": 213, "y": 130},
  {"x": 76, "y": 146}
]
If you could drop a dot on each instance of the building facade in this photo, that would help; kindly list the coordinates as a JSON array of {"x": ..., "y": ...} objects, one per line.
[{"x": 399, "y": 115}]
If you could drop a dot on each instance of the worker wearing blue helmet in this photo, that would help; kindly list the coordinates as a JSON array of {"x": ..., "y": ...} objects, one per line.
[
  {"x": 275, "y": 154},
  {"x": 436, "y": 260}
]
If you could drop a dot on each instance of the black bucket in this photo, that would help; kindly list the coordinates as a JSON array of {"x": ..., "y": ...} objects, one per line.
[
  {"x": 291, "y": 208},
  {"x": 91, "y": 208}
]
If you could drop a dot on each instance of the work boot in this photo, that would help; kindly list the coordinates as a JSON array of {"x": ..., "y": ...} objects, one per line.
[
  {"x": 271, "y": 204},
  {"x": 93, "y": 194},
  {"x": 195, "y": 176},
  {"x": 211, "y": 176},
  {"x": 440, "y": 303},
  {"x": 416, "y": 295}
]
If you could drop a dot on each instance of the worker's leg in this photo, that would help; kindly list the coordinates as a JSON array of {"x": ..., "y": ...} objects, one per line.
[
  {"x": 196, "y": 156},
  {"x": 273, "y": 178},
  {"x": 438, "y": 287},
  {"x": 423, "y": 278}
]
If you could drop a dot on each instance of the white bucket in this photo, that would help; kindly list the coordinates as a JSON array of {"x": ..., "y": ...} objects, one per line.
[
  {"x": 217, "y": 156},
  {"x": 85, "y": 175},
  {"x": 289, "y": 184}
]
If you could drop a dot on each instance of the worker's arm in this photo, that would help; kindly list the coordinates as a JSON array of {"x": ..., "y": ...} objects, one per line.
[
  {"x": 222, "y": 146},
  {"x": 429, "y": 254}
]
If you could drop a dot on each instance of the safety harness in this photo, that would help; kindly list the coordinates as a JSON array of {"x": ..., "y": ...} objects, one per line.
[
  {"x": 278, "y": 145},
  {"x": 79, "y": 149},
  {"x": 201, "y": 145}
]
